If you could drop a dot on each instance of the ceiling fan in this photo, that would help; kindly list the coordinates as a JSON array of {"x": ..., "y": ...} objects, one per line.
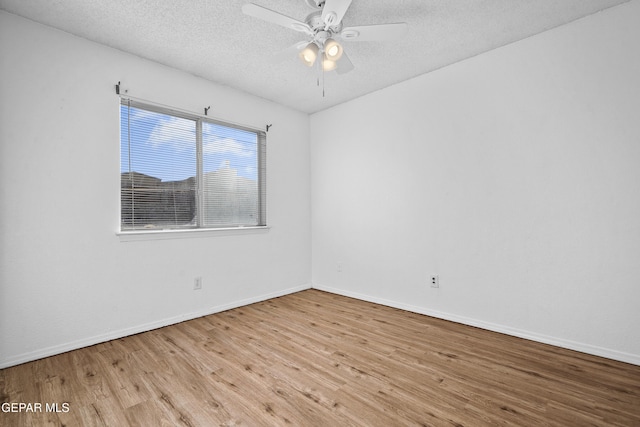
[{"x": 323, "y": 28}]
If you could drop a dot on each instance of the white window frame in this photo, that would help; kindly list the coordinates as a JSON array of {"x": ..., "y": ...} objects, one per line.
[{"x": 198, "y": 230}]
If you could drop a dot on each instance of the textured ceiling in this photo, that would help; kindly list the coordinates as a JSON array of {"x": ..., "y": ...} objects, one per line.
[{"x": 213, "y": 39}]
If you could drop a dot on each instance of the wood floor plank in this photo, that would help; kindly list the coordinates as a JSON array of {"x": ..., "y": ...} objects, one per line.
[{"x": 318, "y": 359}]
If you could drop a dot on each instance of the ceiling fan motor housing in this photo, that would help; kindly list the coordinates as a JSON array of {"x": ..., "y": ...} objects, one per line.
[{"x": 314, "y": 20}]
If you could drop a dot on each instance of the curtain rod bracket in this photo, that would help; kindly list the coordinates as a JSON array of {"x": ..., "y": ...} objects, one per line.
[
  {"x": 268, "y": 126},
  {"x": 118, "y": 89},
  {"x": 206, "y": 110}
]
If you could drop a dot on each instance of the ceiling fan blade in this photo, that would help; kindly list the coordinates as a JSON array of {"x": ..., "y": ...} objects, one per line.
[
  {"x": 275, "y": 17},
  {"x": 344, "y": 64},
  {"x": 288, "y": 53},
  {"x": 380, "y": 32},
  {"x": 333, "y": 11}
]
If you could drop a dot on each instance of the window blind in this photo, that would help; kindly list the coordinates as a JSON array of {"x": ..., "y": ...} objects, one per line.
[{"x": 181, "y": 171}]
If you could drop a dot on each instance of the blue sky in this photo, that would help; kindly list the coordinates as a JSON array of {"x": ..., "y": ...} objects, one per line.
[{"x": 171, "y": 141}]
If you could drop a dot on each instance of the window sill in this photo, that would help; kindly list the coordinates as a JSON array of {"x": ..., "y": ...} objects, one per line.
[{"x": 139, "y": 235}]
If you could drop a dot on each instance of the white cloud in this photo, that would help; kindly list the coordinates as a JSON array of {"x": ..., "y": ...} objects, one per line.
[
  {"x": 175, "y": 131},
  {"x": 180, "y": 134},
  {"x": 213, "y": 145}
]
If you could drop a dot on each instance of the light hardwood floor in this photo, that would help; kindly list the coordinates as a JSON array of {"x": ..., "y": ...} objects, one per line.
[{"x": 318, "y": 359}]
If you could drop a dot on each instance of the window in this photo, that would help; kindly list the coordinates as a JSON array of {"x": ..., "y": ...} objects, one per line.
[{"x": 182, "y": 171}]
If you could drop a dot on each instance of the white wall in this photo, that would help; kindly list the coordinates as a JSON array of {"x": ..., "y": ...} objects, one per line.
[
  {"x": 66, "y": 279},
  {"x": 514, "y": 175}
]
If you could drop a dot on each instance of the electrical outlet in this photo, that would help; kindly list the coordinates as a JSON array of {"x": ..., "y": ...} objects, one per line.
[
  {"x": 197, "y": 283},
  {"x": 434, "y": 281}
]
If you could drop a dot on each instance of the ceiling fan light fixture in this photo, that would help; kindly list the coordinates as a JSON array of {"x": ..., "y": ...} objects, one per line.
[
  {"x": 309, "y": 54},
  {"x": 328, "y": 64},
  {"x": 332, "y": 49}
]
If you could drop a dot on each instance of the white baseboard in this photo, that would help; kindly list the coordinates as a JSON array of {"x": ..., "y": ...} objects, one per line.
[
  {"x": 86, "y": 342},
  {"x": 572, "y": 345},
  {"x": 558, "y": 342}
]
